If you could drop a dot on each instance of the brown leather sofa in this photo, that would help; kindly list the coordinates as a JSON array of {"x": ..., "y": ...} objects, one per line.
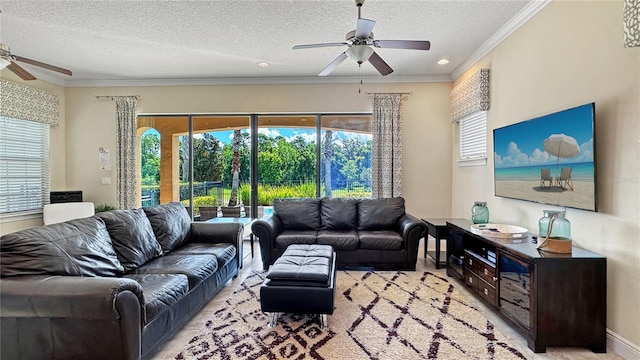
[
  {"x": 116, "y": 285},
  {"x": 365, "y": 233}
]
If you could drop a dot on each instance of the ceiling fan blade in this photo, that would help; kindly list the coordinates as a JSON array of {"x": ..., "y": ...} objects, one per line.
[
  {"x": 43, "y": 65},
  {"x": 364, "y": 28},
  {"x": 309, "y": 46},
  {"x": 380, "y": 65},
  {"x": 334, "y": 64},
  {"x": 18, "y": 70},
  {"x": 402, "y": 44}
]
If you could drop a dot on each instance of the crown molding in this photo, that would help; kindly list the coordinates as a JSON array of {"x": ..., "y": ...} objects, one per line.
[
  {"x": 259, "y": 81},
  {"x": 512, "y": 25}
]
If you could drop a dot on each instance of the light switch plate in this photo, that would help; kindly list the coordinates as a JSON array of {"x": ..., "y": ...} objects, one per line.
[{"x": 106, "y": 181}]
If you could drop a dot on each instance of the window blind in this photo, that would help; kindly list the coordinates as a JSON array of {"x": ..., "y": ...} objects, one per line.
[
  {"x": 24, "y": 165},
  {"x": 473, "y": 136}
]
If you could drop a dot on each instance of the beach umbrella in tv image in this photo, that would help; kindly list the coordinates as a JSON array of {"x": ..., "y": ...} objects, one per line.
[{"x": 561, "y": 146}]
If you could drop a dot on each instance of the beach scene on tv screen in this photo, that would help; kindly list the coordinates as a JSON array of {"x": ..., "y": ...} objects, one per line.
[{"x": 548, "y": 160}]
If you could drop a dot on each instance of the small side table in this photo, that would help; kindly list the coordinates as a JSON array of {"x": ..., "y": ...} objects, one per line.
[{"x": 436, "y": 227}]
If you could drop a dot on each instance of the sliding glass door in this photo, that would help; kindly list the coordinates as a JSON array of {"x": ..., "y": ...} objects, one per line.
[
  {"x": 219, "y": 165},
  {"x": 286, "y": 158},
  {"x": 346, "y": 155}
]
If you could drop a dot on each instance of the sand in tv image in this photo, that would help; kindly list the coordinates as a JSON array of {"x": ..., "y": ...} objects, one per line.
[{"x": 549, "y": 159}]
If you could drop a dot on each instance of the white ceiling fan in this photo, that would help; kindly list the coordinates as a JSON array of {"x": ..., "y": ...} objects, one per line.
[
  {"x": 360, "y": 43},
  {"x": 9, "y": 61}
]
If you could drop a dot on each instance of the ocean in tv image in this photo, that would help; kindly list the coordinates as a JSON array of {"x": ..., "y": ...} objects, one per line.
[{"x": 549, "y": 159}]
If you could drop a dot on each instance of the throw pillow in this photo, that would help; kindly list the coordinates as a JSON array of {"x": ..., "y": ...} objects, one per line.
[
  {"x": 171, "y": 224},
  {"x": 132, "y": 237}
]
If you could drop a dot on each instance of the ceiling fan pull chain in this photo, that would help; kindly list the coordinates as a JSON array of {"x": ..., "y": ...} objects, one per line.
[{"x": 360, "y": 87}]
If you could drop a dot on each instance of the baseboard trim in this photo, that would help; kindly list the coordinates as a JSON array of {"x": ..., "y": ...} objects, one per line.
[{"x": 622, "y": 347}]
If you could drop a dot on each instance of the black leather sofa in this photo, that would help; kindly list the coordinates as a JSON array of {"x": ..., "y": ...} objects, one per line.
[
  {"x": 116, "y": 285},
  {"x": 365, "y": 233}
]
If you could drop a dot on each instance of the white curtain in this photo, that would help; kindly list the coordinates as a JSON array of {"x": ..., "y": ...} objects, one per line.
[
  {"x": 386, "y": 149},
  {"x": 126, "y": 151}
]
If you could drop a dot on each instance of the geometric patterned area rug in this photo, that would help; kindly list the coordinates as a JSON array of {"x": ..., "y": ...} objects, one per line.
[{"x": 378, "y": 315}]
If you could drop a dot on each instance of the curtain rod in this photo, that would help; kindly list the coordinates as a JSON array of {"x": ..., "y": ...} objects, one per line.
[
  {"x": 390, "y": 93},
  {"x": 113, "y": 97}
]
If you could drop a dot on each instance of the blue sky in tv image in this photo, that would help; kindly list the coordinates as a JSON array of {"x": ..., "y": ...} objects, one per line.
[{"x": 519, "y": 151}]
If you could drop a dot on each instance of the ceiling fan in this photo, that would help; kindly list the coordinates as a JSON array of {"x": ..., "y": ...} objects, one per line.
[
  {"x": 360, "y": 43},
  {"x": 8, "y": 60}
]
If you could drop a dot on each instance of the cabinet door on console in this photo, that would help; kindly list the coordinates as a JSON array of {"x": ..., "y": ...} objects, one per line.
[
  {"x": 515, "y": 289},
  {"x": 455, "y": 254}
]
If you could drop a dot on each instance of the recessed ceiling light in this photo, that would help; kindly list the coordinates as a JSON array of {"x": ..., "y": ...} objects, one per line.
[
  {"x": 443, "y": 61},
  {"x": 263, "y": 64}
]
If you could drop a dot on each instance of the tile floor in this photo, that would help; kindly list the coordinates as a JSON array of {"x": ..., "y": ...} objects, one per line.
[{"x": 193, "y": 327}]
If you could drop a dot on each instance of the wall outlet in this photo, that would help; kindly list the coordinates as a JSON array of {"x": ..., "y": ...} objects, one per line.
[{"x": 106, "y": 181}]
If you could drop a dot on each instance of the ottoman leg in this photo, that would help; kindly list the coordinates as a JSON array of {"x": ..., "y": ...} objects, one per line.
[
  {"x": 273, "y": 319},
  {"x": 324, "y": 325}
]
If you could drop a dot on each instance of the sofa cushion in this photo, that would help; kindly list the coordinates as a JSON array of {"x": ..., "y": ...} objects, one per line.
[
  {"x": 170, "y": 223},
  {"x": 223, "y": 252},
  {"x": 298, "y": 214},
  {"x": 309, "y": 250},
  {"x": 289, "y": 237},
  {"x": 339, "y": 240},
  {"x": 160, "y": 291},
  {"x": 132, "y": 237},
  {"x": 80, "y": 247},
  {"x": 380, "y": 240},
  {"x": 300, "y": 271},
  {"x": 338, "y": 214},
  {"x": 379, "y": 214},
  {"x": 196, "y": 268}
]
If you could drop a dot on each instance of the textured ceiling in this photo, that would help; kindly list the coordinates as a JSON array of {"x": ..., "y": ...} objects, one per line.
[{"x": 122, "y": 41}]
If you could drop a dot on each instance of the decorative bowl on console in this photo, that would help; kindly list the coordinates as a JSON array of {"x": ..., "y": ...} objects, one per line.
[{"x": 501, "y": 232}]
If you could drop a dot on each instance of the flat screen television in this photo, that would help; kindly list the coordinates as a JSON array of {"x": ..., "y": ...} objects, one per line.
[{"x": 549, "y": 159}]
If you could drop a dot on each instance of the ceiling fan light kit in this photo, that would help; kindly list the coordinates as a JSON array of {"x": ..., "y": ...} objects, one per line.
[
  {"x": 360, "y": 45},
  {"x": 4, "y": 63},
  {"x": 359, "y": 53}
]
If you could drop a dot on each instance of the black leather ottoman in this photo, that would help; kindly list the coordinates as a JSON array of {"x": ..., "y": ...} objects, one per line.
[{"x": 301, "y": 281}]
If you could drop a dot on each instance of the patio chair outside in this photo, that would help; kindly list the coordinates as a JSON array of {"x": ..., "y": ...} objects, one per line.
[
  {"x": 208, "y": 212},
  {"x": 545, "y": 175},
  {"x": 564, "y": 180},
  {"x": 231, "y": 211}
]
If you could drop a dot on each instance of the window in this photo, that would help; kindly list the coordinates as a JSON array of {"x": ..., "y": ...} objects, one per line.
[
  {"x": 277, "y": 156},
  {"x": 24, "y": 166},
  {"x": 473, "y": 139}
]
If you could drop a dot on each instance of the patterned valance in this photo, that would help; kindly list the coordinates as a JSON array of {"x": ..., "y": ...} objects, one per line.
[
  {"x": 22, "y": 102},
  {"x": 631, "y": 16},
  {"x": 470, "y": 95}
]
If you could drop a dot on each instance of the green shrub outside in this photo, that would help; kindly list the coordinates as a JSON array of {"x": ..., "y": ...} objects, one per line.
[
  {"x": 201, "y": 201},
  {"x": 244, "y": 193},
  {"x": 267, "y": 193}
]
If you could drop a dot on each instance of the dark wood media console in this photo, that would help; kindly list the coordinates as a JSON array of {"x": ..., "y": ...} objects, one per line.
[{"x": 551, "y": 299}]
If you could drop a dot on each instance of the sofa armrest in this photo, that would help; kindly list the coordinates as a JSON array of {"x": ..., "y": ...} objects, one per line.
[
  {"x": 71, "y": 297},
  {"x": 267, "y": 228},
  {"x": 49, "y": 316},
  {"x": 412, "y": 230},
  {"x": 215, "y": 233}
]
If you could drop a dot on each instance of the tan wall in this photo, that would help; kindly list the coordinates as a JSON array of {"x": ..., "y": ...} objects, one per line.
[
  {"x": 426, "y": 122},
  {"x": 57, "y": 154},
  {"x": 569, "y": 54}
]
